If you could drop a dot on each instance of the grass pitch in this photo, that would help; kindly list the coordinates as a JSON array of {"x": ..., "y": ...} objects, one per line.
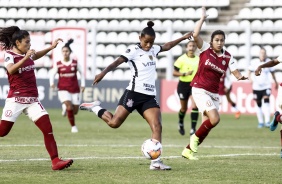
[{"x": 236, "y": 151}]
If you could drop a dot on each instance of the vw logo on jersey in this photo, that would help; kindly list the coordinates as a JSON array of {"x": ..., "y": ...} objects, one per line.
[{"x": 223, "y": 62}]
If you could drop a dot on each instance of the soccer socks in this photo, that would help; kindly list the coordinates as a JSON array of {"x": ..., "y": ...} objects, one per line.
[
  {"x": 259, "y": 115},
  {"x": 194, "y": 118},
  {"x": 278, "y": 118},
  {"x": 181, "y": 116},
  {"x": 5, "y": 127},
  {"x": 44, "y": 124},
  {"x": 71, "y": 117},
  {"x": 204, "y": 130},
  {"x": 266, "y": 112}
]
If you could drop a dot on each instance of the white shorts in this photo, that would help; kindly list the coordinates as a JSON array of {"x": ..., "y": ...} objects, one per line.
[
  {"x": 75, "y": 98},
  {"x": 205, "y": 100},
  {"x": 12, "y": 110}
]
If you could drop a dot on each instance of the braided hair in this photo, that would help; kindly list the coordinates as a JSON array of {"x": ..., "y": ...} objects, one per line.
[{"x": 9, "y": 36}]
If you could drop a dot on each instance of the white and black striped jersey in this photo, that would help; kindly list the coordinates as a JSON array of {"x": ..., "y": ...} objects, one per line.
[{"x": 143, "y": 68}]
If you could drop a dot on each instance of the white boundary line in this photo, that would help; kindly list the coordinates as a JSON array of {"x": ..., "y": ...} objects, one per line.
[
  {"x": 120, "y": 158},
  {"x": 124, "y": 146}
]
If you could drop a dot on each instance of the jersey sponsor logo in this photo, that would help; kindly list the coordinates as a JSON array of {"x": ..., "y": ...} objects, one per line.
[
  {"x": 27, "y": 68},
  {"x": 149, "y": 64},
  {"x": 26, "y": 100},
  {"x": 213, "y": 66},
  {"x": 130, "y": 103},
  {"x": 67, "y": 74},
  {"x": 149, "y": 87},
  {"x": 141, "y": 55},
  {"x": 8, "y": 113}
]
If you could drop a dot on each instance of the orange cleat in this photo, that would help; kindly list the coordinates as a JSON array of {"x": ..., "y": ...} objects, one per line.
[
  {"x": 237, "y": 114},
  {"x": 58, "y": 164}
]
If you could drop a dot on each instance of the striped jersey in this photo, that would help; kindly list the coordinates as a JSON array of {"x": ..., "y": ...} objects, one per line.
[{"x": 143, "y": 68}]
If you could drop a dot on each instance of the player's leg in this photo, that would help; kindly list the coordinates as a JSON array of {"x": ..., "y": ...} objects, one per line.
[
  {"x": 257, "y": 96},
  {"x": 181, "y": 115},
  {"x": 194, "y": 116},
  {"x": 233, "y": 104},
  {"x": 40, "y": 117}
]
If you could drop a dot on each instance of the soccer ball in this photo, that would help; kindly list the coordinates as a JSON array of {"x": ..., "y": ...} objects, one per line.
[{"x": 151, "y": 149}]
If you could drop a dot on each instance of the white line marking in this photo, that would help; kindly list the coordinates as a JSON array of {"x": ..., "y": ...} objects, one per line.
[{"x": 129, "y": 157}]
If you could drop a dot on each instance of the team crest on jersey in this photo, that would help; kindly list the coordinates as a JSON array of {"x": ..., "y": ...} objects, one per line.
[
  {"x": 223, "y": 62},
  {"x": 8, "y": 113},
  {"x": 209, "y": 104},
  {"x": 151, "y": 57},
  {"x": 7, "y": 59},
  {"x": 72, "y": 68},
  {"x": 130, "y": 103}
]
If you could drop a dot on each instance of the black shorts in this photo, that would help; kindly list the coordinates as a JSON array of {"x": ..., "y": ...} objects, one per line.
[
  {"x": 132, "y": 100},
  {"x": 184, "y": 90},
  {"x": 258, "y": 94}
]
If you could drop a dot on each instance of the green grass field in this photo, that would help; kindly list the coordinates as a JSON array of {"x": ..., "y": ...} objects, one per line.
[{"x": 234, "y": 152}]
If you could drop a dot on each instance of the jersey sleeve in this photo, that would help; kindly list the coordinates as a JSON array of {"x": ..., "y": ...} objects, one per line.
[
  {"x": 205, "y": 46},
  {"x": 232, "y": 64},
  {"x": 157, "y": 49},
  {"x": 53, "y": 73},
  {"x": 82, "y": 78},
  {"x": 129, "y": 53},
  {"x": 178, "y": 63},
  {"x": 8, "y": 59}
]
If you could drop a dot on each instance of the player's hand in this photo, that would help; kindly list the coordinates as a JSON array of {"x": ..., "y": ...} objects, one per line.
[
  {"x": 189, "y": 35},
  {"x": 190, "y": 72},
  {"x": 82, "y": 89},
  {"x": 98, "y": 78},
  {"x": 56, "y": 42},
  {"x": 204, "y": 13},
  {"x": 258, "y": 71},
  {"x": 243, "y": 78},
  {"x": 52, "y": 86},
  {"x": 29, "y": 53}
]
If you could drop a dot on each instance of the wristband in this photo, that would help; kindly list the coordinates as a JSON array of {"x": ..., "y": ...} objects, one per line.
[{"x": 184, "y": 74}]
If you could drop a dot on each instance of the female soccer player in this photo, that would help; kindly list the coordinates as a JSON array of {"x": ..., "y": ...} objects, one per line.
[
  {"x": 277, "y": 118},
  {"x": 23, "y": 94},
  {"x": 214, "y": 61},
  {"x": 141, "y": 92},
  {"x": 185, "y": 67},
  {"x": 68, "y": 87}
]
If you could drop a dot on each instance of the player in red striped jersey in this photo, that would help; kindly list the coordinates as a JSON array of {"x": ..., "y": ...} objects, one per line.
[
  {"x": 214, "y": 61},
  {"x": 68, "y": 86},
  {"x": 23, "y": 94}
]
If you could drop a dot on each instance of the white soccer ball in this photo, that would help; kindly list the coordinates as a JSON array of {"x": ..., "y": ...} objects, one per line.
[{"x": 151, "y": 149}]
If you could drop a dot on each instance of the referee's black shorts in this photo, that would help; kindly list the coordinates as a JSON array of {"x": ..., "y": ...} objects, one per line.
[{"x": 184, "y": 90}]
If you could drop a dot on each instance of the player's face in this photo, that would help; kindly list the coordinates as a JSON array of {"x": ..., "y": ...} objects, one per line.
[
  {"x": 146, "y": 42},
  {"x": 262, "y": 54},
  {"x": 218, "y": 43},
  {"x": 191, "y": 47},
  {"x": 24, "y": 44},
  {"x": 66, "y": 53}
]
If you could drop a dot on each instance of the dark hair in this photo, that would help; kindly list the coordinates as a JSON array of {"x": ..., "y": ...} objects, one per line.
[
  {"x": 9, "y": 36},
  {"x": 148, "y": 30},
  {"x": 67, "y": 45},
  {"x": 217, "y": 32}
]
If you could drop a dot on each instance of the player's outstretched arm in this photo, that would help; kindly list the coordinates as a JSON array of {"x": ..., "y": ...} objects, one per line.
[
  {"x": 198, "y": 27},
  {"x": 43, "y": 52},
  {"x": 266, "y": 65}
]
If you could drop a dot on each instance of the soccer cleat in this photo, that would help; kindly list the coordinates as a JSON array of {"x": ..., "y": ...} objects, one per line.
[
  {"x": 260, "y": 125},
  {"x": 89, "y": 106},
  {"x": 237, "y": 114},
  {"x": 192, "y": 131},
  {"x": 188, "y": 154},
  {"x": 194, "y": 142},
  {"x": 267, "y": 125},
  {"x": 181, "y": 128},
  {"x": 274, "y": 122},
  {"x": 158, "y": 165},
  {"x": 61, "y": 164},
  {"x": 74, "y": 129}
]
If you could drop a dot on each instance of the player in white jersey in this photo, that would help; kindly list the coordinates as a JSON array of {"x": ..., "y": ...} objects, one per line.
[
  {"x": 23, "y": 93},
  {"x": 141, "y": 91},
  {"x": 277, "y": 118},
  {"x": 262, "y": 88}
]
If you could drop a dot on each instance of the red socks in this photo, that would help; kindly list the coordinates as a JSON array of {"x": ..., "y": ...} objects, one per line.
[
  {"x": 204, "y": 130},
  {"x": 5, "y": 127},
  {"x": 71, "y": 117},
  {"x": 44, "y": 124}
]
